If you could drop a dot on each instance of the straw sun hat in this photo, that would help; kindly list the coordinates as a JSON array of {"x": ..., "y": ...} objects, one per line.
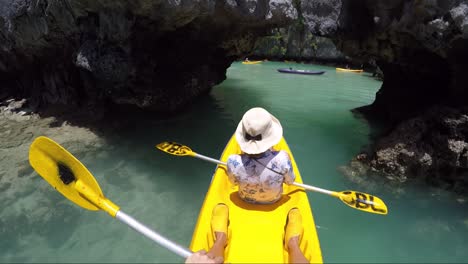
[{"x": 258, "y": 131}]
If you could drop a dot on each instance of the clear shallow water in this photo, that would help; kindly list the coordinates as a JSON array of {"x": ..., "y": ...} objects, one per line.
[{"x": 165, "y": 192}]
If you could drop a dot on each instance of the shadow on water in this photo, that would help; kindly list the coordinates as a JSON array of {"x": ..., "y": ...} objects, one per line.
[
  {"x": 204, "y": 126},
  {"x": 127, "y": 156}
]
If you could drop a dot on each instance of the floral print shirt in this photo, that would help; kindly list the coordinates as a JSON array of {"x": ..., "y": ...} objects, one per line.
[{"x": 258, "y": 184}]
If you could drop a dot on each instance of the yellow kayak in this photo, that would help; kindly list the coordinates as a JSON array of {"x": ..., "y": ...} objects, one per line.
[
  {"x": 255, "y": 231},
  {"x": 349, "y": 70},
  {"x": 251, "y": 62}
]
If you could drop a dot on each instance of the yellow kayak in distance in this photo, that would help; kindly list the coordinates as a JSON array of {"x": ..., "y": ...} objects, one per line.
[
  {"x": 255, "y": 231},
  {"x": 252, "y": 62},
  {"x": 349, "y": 70}
]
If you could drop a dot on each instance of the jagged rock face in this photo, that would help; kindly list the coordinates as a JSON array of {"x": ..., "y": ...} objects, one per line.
[
  {"x": 150, "y": 53},
  {"x": 293, "y": 43},
  {"x": 432, "y": 146},
  {"x": 421, "y": 47},
  {"x": 322, "y": 16},
  {"x": 296, "y": 42}
]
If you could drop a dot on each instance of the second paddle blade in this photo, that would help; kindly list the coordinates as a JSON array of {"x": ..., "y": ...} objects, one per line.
[
  {"x": 174, "y": 148},
  {"x": 364, "y": 202}
]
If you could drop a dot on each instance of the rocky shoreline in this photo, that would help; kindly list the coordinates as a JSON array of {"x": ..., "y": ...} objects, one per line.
[
  {"x": 430, "y": 148},
  {"x": 20, "y": 126},
  {"x": 29, "y": 209}
]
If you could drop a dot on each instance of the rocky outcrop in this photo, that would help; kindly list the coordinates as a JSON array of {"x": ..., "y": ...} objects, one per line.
[
  {"x": 149, "y": 53},
  {"x": 432, "y": 147},
  {"x": 417, "y": 44},
  {"x": 421, "y": 48},
  {"x": 296, "y": 42}
]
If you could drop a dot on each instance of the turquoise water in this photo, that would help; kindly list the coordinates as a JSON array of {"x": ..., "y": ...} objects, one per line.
[{"x": 165, "y": 192}]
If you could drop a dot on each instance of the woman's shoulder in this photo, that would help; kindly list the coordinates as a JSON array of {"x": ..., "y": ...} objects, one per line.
[
  {"x": 282, "y": 154},
  {"x": 233, "y": 157}
]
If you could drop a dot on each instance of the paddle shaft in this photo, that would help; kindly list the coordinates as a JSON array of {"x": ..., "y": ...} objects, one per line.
[
  {"x": 113, "y": 210},
  {"x": 301, "y": 185},
  {"x": 196, "y": 155},
  {"x": 144, "y": 230},
  {"x": 315, "y": 189},
  {"x": 356, "y": 200},
  {"x": 108, "y": 206}
]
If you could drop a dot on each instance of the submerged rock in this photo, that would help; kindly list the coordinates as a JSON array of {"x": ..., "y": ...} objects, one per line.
[{"x": 433, "y": 147}]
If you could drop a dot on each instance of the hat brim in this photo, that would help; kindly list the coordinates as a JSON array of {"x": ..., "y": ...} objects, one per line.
[{"x": 274, "y": 135}]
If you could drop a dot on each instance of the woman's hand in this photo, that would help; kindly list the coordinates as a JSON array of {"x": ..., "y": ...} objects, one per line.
[{"x": 202, "y": 257}]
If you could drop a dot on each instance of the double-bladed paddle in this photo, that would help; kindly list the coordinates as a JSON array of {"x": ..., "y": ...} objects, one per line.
[
  {"x": 72, "y": 179},
  {"x": 357, "y": 200}
]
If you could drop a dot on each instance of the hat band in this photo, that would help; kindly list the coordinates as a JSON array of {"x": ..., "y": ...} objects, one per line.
[{"x": 250, "y": 137}]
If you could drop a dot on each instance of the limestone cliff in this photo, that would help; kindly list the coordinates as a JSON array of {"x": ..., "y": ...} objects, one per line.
[
  {"x": 296, "y": 42},
  {"x": 149, "y": 53},
  {"x": 422, "y": 48}
]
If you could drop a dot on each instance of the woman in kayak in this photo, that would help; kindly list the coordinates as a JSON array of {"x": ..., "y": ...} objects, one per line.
[{"x": 260, "y": 171}]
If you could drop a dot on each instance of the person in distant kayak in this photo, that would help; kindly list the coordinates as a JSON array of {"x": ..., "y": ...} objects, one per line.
[{"x": 261, "y": 171}]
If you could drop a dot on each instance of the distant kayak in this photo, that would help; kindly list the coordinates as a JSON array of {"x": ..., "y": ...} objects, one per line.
[
  {"x": 286, "y": 70},
  {"x": 251, "y": 62},
  {"x": 349, "y": 70}
]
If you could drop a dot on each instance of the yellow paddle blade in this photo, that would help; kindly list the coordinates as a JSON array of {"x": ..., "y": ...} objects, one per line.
[
  {"x": 363, "y": 202},
  {"x": 174, "y": 148},
  {"x": 62, "y": 170}
]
